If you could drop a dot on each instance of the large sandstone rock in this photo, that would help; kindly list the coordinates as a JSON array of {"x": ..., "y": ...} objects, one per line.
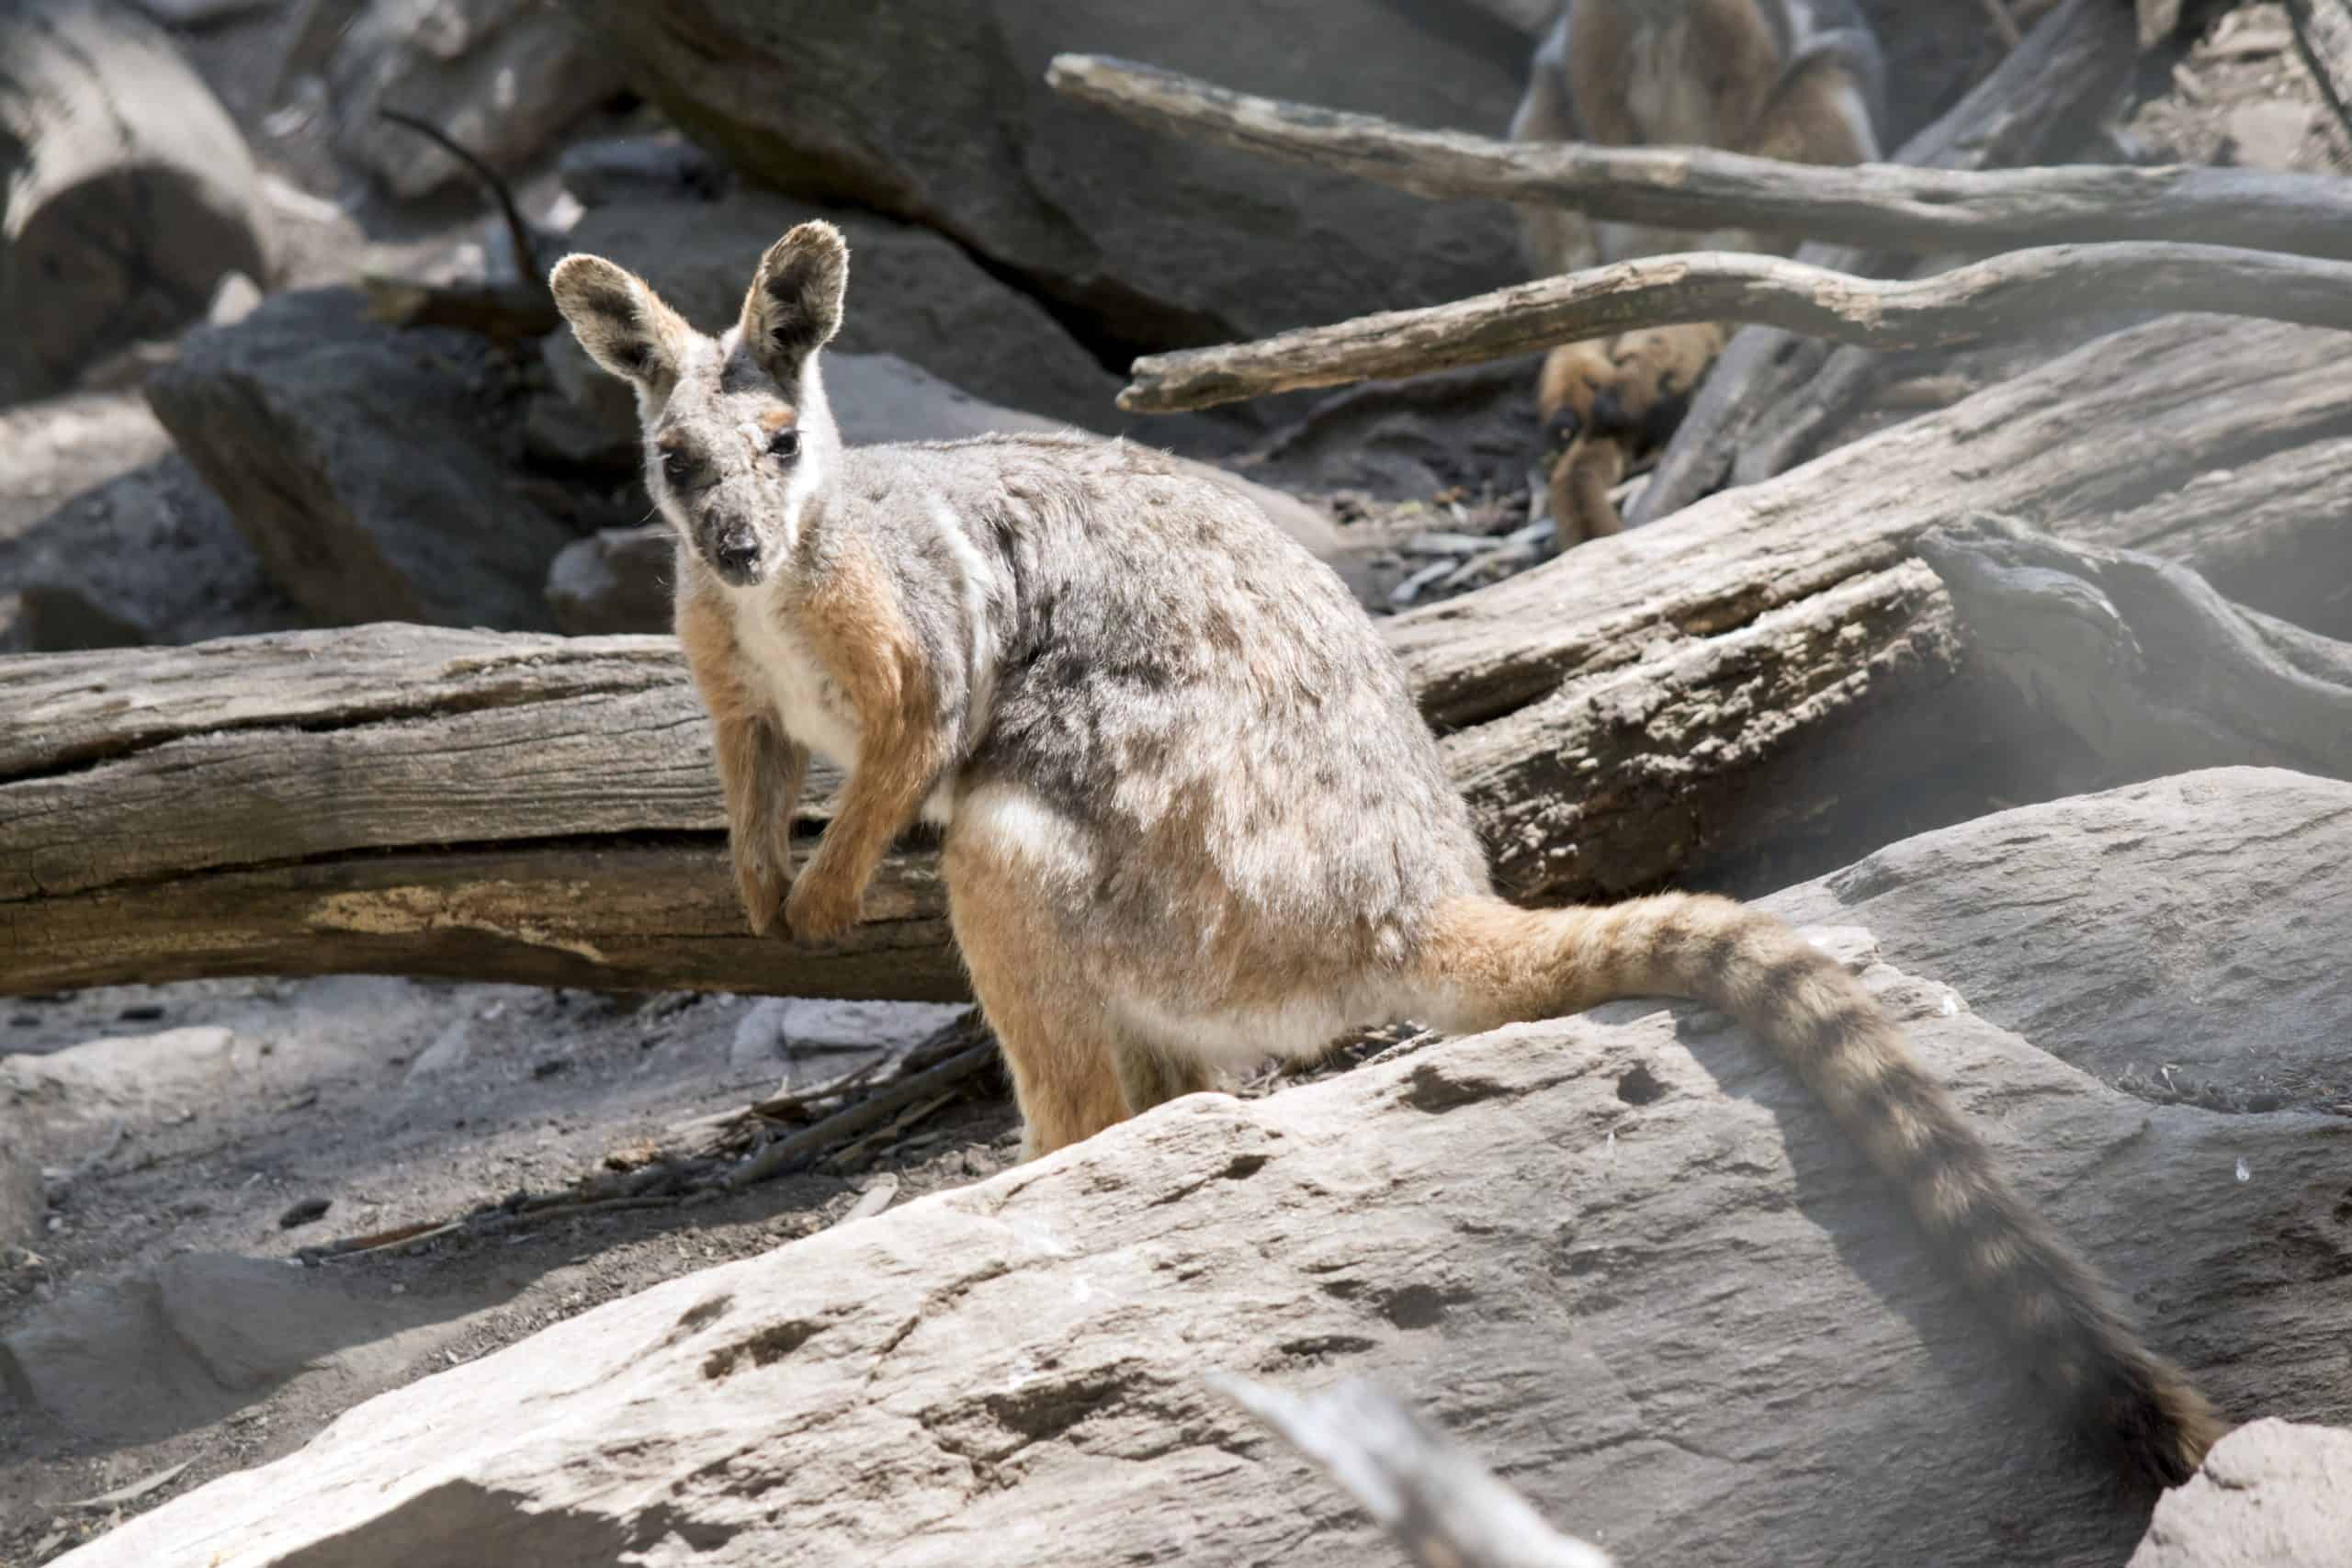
[
  {"x": 1622, "y": 1255},
  {"x": 501, "y": 76},
  {"x": 149, "y": 558},
  {"x": 2273, "y": 1495},
  {"x": 373, "y": 468},
  {"x": 913, "y": 293},
  {"x": 937, "y": 111},
  {"x": 2190, "y": 899},
  {"x": 199, "y": 1335}
]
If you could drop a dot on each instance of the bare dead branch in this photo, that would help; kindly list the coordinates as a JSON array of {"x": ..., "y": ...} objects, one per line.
[
  {"x": 1883, "y": 205},
  {"x": 1998, "y": 295},
  {"x": 2072, "y": 59}
]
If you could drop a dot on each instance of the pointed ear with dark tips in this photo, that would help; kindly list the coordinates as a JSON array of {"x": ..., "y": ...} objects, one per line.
[
  {"x": 619, "y": 320},
  {"x": 795, "y": 304}
]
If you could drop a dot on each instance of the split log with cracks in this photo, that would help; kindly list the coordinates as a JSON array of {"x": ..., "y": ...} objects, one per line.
[
  {"x": 1997, "y": 297},
  {"x": 1732, "y": 688}
]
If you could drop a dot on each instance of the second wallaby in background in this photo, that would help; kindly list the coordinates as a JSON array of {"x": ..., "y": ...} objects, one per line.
[
  {"x": 1192, "y": 817},
  {"x": 1798, "y": 80}
]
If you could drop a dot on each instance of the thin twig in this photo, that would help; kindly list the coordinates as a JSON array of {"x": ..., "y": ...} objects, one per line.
[
  {"x": 2003, "y": 24},
  {"x": 518, "y": 232},
  {"x": 788, "y": 1152}
]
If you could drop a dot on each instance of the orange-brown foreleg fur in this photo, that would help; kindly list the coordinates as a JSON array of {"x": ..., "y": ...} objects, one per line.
[{"x": 859, "y": 631}]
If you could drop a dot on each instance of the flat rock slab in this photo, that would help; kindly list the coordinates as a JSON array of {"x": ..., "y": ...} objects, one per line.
[
  {"x": 2273, "y": 1495},
  {"x": 937, "y": 111},
  {"x": 1622, "y": 1256},
  {"x": 201, "y": 1335},
  {"x": 372, "y": 468},
  {"x": 2162, "y": 931}
]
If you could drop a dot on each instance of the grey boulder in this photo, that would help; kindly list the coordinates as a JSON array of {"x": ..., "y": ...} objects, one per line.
[{"x": 374, "y": 469}]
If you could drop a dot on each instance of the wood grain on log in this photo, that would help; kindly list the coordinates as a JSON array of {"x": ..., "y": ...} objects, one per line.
[
  {"x": 1995, "y": 297},
  {"x": 1886, "y": 206},
  {"x": 436, "y": 802}
]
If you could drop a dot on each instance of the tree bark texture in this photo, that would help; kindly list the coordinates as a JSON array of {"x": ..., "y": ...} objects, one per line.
[{"x": 425, "y": 801}]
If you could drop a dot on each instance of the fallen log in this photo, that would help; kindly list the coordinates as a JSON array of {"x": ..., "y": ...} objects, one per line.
[
  {"x": 125, "y": 193},
  {"x": 1663, "y": 704},
  {"x": 2141, "y": 660},
  {"x": 1892, "y": 207},
  {"x": 1993, "y": 297}
]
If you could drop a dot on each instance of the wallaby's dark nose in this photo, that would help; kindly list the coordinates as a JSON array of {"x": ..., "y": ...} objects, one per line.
[{"x": 739, "y": 550}]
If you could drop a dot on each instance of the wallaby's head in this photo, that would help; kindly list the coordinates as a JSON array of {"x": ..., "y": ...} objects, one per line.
[{"x": 739, "y": 442}]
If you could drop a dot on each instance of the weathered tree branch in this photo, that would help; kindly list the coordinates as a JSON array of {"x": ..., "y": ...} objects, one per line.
[
  {"x": 1444, "y": 1507},
  {"x": 2000, "y": 295},
  {"x": 2071, "y": 60},
  {"x": 412, "y": 800},
  {"x": 2141, "y": 659},
  {"x": 1887, "y": 206}
]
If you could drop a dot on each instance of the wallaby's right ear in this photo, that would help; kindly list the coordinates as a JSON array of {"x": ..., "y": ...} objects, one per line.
[
  {"x": 619, "y": 320},
  {"x": 794, "y": 307}
]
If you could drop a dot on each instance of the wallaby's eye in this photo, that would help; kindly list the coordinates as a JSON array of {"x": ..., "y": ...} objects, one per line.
[
  {"x": 677, "y": 468},
  {"x": 784, "y": 444}
]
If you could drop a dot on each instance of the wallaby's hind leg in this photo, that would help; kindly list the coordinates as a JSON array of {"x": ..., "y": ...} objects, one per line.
[
  {"x": 1149, "y": 1077},
  {"x": 1056, "y": 1037}
]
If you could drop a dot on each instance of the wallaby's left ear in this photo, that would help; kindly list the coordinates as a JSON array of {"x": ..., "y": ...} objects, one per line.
[
  {"x": 620, "y": 321},
  {"x": 794, "y": 307}
]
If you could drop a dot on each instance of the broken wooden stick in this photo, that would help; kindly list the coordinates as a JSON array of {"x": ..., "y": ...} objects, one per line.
[
  {"x": 1886, "y": 206},
  {"x": 2141, "y": 660},
  {"x": 1445, "y": 1508},
  {"x": 2000, "y": 295}
]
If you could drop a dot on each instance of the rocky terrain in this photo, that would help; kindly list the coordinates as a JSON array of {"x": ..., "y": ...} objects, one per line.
[{"x": 282, "y": 1256}]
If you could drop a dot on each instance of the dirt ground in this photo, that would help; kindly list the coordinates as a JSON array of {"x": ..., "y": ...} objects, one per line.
[{"x": 235, "y": 1106}]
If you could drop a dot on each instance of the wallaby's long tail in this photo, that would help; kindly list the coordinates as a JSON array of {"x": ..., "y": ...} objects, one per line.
[{"x": 1488, "y": 961}]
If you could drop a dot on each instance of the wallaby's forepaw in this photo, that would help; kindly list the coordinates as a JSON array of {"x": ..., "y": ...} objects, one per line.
[
  {"x": 763, "y": 885},
  {"x": 821, "y": 907}
]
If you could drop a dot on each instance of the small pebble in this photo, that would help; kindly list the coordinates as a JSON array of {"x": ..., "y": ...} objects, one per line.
[
  {"x": 303, "y": 1213},
  {"x": 142, "y": 1013}
]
